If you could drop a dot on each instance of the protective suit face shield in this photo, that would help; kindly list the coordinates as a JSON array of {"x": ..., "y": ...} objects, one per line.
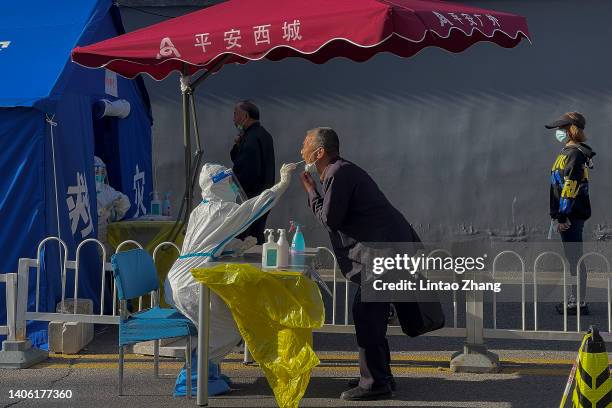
[{"x": 227, "y": 177}]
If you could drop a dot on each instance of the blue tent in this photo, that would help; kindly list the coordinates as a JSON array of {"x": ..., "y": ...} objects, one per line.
[{"x": 49, "y": 133}]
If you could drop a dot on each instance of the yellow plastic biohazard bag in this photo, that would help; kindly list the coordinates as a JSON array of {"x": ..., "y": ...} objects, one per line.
[{"x": 275, "y": 313}]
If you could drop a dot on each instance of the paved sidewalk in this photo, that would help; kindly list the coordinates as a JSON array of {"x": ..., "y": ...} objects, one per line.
[{"x": 528, "y": 378}]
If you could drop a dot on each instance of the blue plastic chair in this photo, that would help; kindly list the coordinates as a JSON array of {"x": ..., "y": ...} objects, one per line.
[{"x": 135, "y": 275}]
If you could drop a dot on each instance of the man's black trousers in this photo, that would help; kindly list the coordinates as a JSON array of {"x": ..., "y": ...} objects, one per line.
[{"x": 371, "y": 320}]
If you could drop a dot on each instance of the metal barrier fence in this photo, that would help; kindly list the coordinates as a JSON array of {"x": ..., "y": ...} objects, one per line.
[
  {"x": 537, "y": 334},
  {"x": 475, "y": 357},
  {"x": 474, "y": 331},
  {"x": 17, "y": 289},
  {"x": 10, "y": 280}
]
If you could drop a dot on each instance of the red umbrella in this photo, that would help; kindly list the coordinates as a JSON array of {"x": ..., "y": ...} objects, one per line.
[{"x": 239, "y": 31}]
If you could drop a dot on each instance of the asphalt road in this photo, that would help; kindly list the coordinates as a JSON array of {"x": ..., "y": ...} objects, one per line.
[{"x": 532, "y": 375}]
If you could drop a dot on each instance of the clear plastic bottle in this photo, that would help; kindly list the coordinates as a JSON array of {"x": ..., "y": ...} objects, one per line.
[
  {"x": 298, "y": 246},
  {"x": 166, "y": 209}
]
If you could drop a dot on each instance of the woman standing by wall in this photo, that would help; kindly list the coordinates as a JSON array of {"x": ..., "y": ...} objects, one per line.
[{"x": 570, "y": 205}]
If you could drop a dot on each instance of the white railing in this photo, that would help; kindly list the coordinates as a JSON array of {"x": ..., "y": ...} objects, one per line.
[
  {"x": 17, "y": 289},
  {"x": 474, "y": 330},
  {"x": 536, "y": 333},
  {"x": 9, "y": 329}
]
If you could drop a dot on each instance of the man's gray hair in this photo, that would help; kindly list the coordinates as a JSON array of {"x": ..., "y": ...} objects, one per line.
[
  {"x": 328, "y": 138},
  {"x": 250, "y": 108}
]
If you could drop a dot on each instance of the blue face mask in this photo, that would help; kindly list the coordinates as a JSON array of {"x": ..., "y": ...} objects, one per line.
[
  {"x": 561, "y": 135},
  {"x": 99, "y": 179}
]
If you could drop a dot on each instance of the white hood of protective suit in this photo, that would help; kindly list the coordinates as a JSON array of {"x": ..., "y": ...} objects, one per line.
[
  {"x": 220, "y": 191},
  {"x": 98, "y": 162},
  {"x": 213, "y": 224}
]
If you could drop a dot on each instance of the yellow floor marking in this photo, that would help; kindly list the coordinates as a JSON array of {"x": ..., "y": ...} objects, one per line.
[
  {"x": 323, "y": 357},
  {"x": 438, "y": 358},
  {"x": 173, "y": 366}
]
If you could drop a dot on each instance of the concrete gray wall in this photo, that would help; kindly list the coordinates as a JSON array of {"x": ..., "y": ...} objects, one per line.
[{"x": 456, "y": 142}]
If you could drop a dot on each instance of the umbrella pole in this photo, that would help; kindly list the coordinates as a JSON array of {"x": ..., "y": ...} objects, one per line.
[
  {"x": 197, "y": 162},
  {"x": 186, "y": 92},
  {"x": 196, "y": 128},
  {"x": 188, "y": 99}
]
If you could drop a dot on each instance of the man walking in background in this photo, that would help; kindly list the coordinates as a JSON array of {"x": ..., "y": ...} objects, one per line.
[{"x": 253, "y": 158}]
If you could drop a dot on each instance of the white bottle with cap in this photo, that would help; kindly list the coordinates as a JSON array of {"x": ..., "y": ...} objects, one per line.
[
  {"x": 283, "y": 249},
  {"x": 269, "y": 252}
]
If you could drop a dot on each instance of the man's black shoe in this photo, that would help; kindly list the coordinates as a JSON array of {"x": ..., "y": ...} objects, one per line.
[
  {"x": 361, "y": 394},
  {"x": 355, "y": 382}
]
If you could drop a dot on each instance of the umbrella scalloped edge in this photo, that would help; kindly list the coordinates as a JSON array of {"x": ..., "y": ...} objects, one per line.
[{"x": 242, "y": 59}]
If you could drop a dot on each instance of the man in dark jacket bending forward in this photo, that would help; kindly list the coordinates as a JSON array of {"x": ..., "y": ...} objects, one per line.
[{"x": 355, "y": 211}]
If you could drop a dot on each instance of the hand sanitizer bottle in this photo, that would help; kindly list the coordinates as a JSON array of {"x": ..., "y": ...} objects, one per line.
[
  {"x": 283, "y": 249},
  {"x": 155, "y": 204},
  {"x": 269, "y": 252},
  {"x": 298, "y": 246},
  {"x": 166, "y": 205}
]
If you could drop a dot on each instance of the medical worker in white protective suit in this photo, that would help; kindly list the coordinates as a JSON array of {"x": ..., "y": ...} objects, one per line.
[
  {"x": 112, "y": 204},
  {"x": 223, "y": 213}
]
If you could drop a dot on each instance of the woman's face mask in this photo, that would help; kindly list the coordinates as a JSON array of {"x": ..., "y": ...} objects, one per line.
[{"x": 561, "y": 135}]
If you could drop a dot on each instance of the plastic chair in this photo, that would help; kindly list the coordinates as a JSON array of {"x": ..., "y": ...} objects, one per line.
[{"x": 135, "y": 275}]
